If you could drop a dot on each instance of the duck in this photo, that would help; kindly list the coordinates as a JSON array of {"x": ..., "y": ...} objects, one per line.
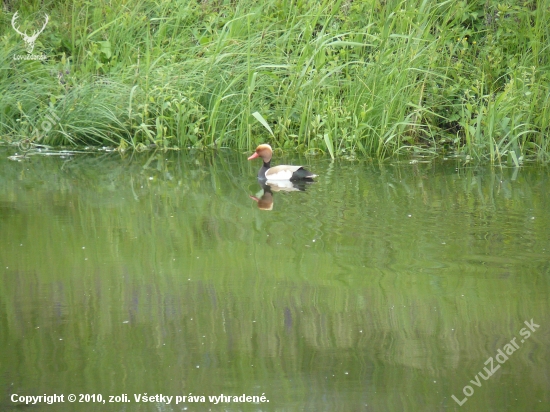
[{"x": 281, "y": 172}]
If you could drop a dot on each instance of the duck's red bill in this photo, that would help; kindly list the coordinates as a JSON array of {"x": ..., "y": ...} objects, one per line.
[{"x": 254, "y": 156}]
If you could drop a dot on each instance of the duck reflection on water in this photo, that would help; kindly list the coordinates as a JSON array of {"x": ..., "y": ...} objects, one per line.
[{"x": 264, "y": 197}]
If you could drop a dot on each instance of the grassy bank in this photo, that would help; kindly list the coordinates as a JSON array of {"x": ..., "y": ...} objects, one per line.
[{"x": 369, "y": 77}]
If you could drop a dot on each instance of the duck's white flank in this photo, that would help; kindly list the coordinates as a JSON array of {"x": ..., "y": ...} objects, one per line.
[{"x": 281, "y": 172}]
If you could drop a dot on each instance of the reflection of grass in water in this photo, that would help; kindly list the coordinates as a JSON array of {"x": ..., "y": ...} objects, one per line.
[
  {"x": 343, "y": 78},
  {"x": 377, "y": 295}
]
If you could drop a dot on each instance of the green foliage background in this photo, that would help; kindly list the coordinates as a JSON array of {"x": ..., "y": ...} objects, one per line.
[{"x": 349, "y": 78}]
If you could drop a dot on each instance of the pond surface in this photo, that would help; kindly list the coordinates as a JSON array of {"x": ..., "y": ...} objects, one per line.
[{"x": 381, "y": 287}]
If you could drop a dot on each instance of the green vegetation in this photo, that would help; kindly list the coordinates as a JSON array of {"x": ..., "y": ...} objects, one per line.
[{"x": 371, "y": 77}]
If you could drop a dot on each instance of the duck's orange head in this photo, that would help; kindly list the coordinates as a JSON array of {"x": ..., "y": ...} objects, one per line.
[{"x": 264, "y": 151}]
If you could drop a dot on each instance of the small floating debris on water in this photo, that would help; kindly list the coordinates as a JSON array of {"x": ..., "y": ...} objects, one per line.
[
  {"x": 61, "y": 153},
  {"x": 17, "y": 158}
]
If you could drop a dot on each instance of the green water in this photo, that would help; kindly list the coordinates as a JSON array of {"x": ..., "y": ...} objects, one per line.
[{"x": 377, "y": 288}]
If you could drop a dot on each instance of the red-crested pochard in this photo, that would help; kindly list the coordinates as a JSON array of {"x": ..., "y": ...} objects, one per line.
[{"x": 278, "y": 173}]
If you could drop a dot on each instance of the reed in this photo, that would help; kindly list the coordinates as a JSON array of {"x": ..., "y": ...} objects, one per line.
[{"x": 345, "y": 78}]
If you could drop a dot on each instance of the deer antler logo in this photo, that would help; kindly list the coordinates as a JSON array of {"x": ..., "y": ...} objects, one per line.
[{"x": 29, "y": 40}]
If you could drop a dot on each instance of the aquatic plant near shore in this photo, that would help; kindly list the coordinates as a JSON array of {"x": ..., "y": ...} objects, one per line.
[{"x": 349, "y": 78}]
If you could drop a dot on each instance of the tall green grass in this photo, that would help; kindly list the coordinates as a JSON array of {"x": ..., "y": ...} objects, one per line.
[{"x": 346, "y": 78}]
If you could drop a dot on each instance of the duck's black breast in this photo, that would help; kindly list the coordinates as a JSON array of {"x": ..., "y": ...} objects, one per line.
[{"x": 266, "y": 166}]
